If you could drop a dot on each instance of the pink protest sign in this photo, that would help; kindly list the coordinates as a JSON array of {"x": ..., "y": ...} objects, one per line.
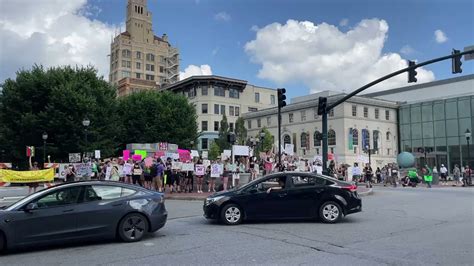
[
  {"x": 126, "y": 155},
  {"x": 184, "y": 155},
  {"x": 159, "y": 154},
  {"x": 148, "y": 162},
  {"x": 137, "y": 157}
]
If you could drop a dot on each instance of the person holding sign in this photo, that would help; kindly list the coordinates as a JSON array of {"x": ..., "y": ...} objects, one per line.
[
  {"x": 199, "y": 176},
  {"x": 137, "y": 174}
]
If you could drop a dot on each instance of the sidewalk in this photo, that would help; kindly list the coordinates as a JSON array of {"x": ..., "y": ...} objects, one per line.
[{"x": 362, "y": 191}]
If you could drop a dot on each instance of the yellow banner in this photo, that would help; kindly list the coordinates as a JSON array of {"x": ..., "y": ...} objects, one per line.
[{"x": 11, "y": 176}]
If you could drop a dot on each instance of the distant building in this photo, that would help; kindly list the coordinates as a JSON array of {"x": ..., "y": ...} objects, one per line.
[
  {"x": 354, "y": 127},
  {"x": 140, "y": 60},
  {"x": 214, "y": 96}
]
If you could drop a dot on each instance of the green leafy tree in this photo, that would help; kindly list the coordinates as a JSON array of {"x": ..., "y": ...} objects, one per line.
[
  {"x": 267, "y": 144},
  {"x": 56, "y": 100},
  {"x": 223, "y": 133},
  {"x": 150, "y": 117},
  {"x": 214, "y": 151},
  {"x": 240, "y": 131}
]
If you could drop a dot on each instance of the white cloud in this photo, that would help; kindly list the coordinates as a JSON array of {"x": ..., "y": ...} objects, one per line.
[
  {"x": 322, "y": 57},
  {"x": 254, "y": 28},
  {"x": 344, "y": 22},
  {"x": 193, "y": 70},
  {"x": 407, "y": 50},
  {"x": 440, "y": 36},
  {"x": 52, "y": 33},
  {"x": 222, "y": 16}
]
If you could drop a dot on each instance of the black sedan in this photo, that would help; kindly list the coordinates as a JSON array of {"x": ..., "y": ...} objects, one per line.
[
  {"x": 287, "y": 195},
  {"x": 82, "y": 210}
]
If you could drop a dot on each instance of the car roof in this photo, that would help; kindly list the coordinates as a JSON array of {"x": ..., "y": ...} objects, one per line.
[{"x": 96, "y": 182}]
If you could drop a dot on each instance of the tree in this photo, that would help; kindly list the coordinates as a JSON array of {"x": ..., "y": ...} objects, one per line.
[
  {"x": 150, "y": 117},
  {"x": 223, "y": 133},
  {"x": 56, "y": 100},
  {"x": 267, "y": 144},
  {"x": 214, "y": 151},
  {"x": 240, "y": 131}
]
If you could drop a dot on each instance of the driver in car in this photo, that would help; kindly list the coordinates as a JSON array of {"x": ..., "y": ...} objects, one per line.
[{"x": 281, "y": 185}]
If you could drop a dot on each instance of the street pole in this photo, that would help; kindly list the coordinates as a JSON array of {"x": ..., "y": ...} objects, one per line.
[
  {"x": 44, "y": 151},
  {"x": 325, "y": 142},
  {"x": 279, "y": 138}
]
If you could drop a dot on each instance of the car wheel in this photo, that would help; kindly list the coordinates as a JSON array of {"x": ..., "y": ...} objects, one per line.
[
  {"x": 330, "y": 212},
  {"x": 231, "y": 214},
  {"x": 3, "y": 242},
  {"x": 132, "y": 227}
]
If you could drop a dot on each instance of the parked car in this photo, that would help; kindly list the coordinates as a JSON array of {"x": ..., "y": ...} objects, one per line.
[
  {"x": 287, "y": 195},
  {"x": 82, "y": 210}
]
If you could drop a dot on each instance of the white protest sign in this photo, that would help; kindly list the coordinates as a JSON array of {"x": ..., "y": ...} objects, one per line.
[
  {"x": 176, "y": 165},
  {"x": 241, "y": 150},
  {"x": 228, "y": 153},
  {"x": 108, "y": 172},
  {"x": 206, "y": 163},
  {"x": 289, "y": 149},
  {"x": 74, "y": 157},
  {"x": 216, "y": 170},
  {"x": 200, "y": 170},
  {"x": 175, "y": 156},
  {"x": 194, "y": 153},
  {"x": 187, "y": 167},
  {"x": 224, "y": 156},
  {"x": 97, "y": 154},
  {"x": 362, "y": 158},
  {"x": 127, "y": 169},
  {"x": 205, "y": 154}
]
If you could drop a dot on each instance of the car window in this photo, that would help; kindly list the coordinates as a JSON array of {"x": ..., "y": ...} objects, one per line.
[
  {"x": 60, "y": 197},
  {"x": 106, "y": 192},
  {"x": 264, "y": 185},
  {"x": 305, "y": 180}
]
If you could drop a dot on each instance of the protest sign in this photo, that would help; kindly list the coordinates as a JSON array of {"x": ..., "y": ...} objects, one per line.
[
  {"x": 216, "y": 170},
  {"x": 108, "y": 171},
  {"x": 228, "y": 153},
  {"x": 137, "y": 157},
  {"x": 141, "y": 152},
  {"x": 205, "y": 154},
  {"x": 241, "y": 150},
  {"x": 148, "y": 161},
  {"x": 175, "y": 156},
  {"x": 97, "y": 154},
  {"x": 176, "y": 165},
  {"x": 289, "y": 149},
  {"x": 74, "y": 157},
  {"x": 126, "y": 155},
  {"x": 10, "y": 176},
  {"x": 200, "y": 170},
  {"x": 206, "y": 163},
  {"x": 187, "y": 167},
  {"x": 194, "y": 153},
  {"x": 127, "y": 169}
]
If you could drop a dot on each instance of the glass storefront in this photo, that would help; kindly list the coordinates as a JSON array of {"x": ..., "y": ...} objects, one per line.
[{"x": 435, "y": 131}]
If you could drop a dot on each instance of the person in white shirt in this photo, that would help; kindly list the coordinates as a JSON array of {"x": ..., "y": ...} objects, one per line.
[
  {"x": 356, "y": 173},
  {"x": 444, "y": 174}
]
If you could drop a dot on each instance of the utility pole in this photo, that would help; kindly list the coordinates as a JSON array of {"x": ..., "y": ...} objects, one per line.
[{"x": 281, "y": 103}]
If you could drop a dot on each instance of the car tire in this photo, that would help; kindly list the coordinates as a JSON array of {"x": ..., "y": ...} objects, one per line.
[
  {"x": 232, "y": 214},
  {"x": 3, "y": 243},
  {"x": 133, "y": 227},
  {"x": 330, "y": 212}
]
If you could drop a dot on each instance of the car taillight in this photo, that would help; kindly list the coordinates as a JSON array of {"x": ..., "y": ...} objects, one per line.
[{"x": 351, "y": 188}]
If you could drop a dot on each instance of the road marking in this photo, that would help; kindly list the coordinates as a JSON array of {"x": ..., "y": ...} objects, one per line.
[
  {"x": 148, "y": 244},
  {"x": 11, "y": 198}
]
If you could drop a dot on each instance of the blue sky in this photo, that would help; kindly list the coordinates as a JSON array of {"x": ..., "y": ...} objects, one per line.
[{"x": 203, "y": 39}]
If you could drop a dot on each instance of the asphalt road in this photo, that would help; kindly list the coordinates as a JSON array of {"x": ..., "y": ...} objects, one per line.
[{"x": 401, "y": 226}]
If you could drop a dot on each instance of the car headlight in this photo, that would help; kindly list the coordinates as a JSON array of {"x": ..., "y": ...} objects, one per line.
[{"x": 213, "y": 199}]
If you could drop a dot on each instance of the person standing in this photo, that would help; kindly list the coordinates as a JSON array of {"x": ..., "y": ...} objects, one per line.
[
  {"x": 253, "y": 173},
  {"x": 368, "y": 176},
  {"x": 137, "y": 174},
  {"x": 70, "y": 173},
  {"x": 378, "y": 174},
  {"x": 467, "y": 176},
  {"x": 456, "y": 175},
  {"x": 356, "y": 172},
  {"x": 428, "y": 176},
  {"x": 33, "y": 185},
  {"x": 332, "y": 169},
  {"x": 225, "y": 175},
  {"x": 444, "y": 174}
]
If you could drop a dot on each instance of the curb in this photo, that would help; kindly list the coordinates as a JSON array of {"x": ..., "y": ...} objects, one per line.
[{"x": 366, "y": 193}]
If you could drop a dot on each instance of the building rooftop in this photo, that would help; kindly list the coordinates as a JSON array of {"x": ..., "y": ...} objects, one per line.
[{"x": 209, "y": 79}]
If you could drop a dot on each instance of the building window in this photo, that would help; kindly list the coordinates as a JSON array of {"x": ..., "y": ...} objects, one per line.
[
  {"x": 150, "y": 57},
  {"x": 204, "y": 108},
  {"x": 257, "y": 97},
  {"x": 237, "y": 111},
  {"x": 234, "y": 93},
  {"x": 317, "y": 137},
  {"x": 315, "y": 113},
  {"x": 286, "y": 140},
  {"x": 355, "y": 137},
  {"x": 253, "y": 109},
  {"x": 216, "y": 125},
  {"x": 331, "y": 113},
  {"x": 354, "y": 110},
  {"x": 126, "y": 74},
  {"x": 204, "y": 144},
  {"x": 204, "y": 90},
  {"x": 259, "y": 122},
  {"x": 231, "y": 127},
  {"x": 203, "y": 125},
  {"x": 366, "y": 112},
  {"x": 192, "y": 93},
  {"x": 126, "y": 53},
  {"x": 272, "y": 99},
  {"x": 138, "y": 75},
  {"x": 387, "y": 115},
  {"x": 304, "y": 140},
  {"x": 388, "y": 151},
  {"x": 388, "y": 136},
  {"x": 303, "y": 115},
  {"x": 150, "y": 67},
  {"x": 331, "y": 137},
  {"x": 222, "y": 109},
  {"x": 331, "y": 150},
  {"x": 249, "y": 124},
  {"x": 139, "y": 55},
  {"x": 126, "y": 64},
  {"x": 139, "y": 65},
  {"x": 219, "y": 91},
  {"x": 162, "y": 69},
  {"x": 290, "y": 118},
  {"x": 216, "y": 109},
  {"x": 231, "y": 110},
  {"x": 377, "y": 115},
  {"x": 269, "y": 121},
  {"x": 150, "y": 77}
]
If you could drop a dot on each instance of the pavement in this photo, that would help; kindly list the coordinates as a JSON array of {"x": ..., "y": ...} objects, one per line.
[{"x": 398, "y": 226}]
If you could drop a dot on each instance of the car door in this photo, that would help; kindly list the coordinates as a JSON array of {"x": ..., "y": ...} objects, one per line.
[
  {"x": 54, "y": 218},
  {"x": 303, "y": 194},
  {"x": 103, "y": 207}
]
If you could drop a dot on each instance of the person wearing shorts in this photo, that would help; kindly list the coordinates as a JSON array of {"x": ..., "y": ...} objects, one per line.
[{"x": 137, "y": 174}]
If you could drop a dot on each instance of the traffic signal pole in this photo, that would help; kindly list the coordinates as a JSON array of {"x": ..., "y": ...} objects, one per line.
[
  {"x": 456, "y": 55},
  {"x": 279, "y": 138}
]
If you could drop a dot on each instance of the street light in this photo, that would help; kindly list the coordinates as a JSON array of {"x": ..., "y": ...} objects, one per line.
[
  {"x": 262, "y": 138},
  {"x": 468, "y": 138},
  {"x": 86, "y": 122},
  {"x": 367, "y": 147},
  {"x": 45, "y": 137}
]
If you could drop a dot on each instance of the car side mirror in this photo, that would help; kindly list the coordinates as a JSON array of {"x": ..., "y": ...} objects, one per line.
[{"x": 30, "y": 207}]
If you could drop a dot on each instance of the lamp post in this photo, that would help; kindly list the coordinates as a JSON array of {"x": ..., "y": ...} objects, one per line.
[
  {"x": 86, "y": 122},
  {"x": 45, "y": 137},
  {"x": 262, "y": 138},
  {"x": 468, "y": 138},
  {"x": 368, "y": 150}
]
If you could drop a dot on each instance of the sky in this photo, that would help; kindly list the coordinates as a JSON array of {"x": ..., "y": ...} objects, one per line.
[{"x": 305, "y": 46}]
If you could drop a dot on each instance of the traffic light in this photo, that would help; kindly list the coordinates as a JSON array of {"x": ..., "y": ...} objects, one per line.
[
  {"x": 456, "y": 62},
  {"x": 412, "y": 72},
  {"x": 322, "y": 105},
  {"x": 281, "y": 97}
]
